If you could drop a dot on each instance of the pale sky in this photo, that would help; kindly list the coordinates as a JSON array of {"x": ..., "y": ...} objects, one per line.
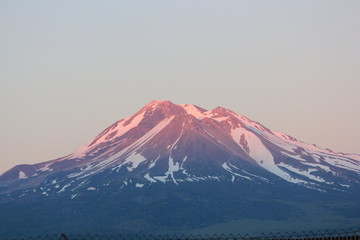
[{"x": 69, "y": 69}]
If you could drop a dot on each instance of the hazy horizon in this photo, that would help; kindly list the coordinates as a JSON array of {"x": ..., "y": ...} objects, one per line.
[{"x": 70, "y": 69}]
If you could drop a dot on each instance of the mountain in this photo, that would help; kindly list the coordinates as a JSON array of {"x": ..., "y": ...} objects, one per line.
[{"x": 176, "y": 168}]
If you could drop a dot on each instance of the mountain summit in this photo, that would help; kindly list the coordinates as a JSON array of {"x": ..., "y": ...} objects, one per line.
[
  {"x": 167, "y": 148},
  {"x": 169, "y": 143}
]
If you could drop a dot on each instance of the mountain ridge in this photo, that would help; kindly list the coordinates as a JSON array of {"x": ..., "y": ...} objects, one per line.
[
  {"x": 181, "y": 168},
  {"x": 154, "y": 132}
]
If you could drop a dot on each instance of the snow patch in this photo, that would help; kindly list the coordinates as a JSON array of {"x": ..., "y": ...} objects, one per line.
[
  {"x": 228, "y": 168},
  {"x": 152, "y": 164},
  {"x": 46, "y": 168},
  {"x": 173, "y": 167},
  {"x": 323, "y": 167},
  {"x": 22, "y": 175},
  {"x": 305, "y": 173},
  {"x": 135, "y": 159},
  {"x": 182, "y": 163},
  {"x": 344, "y": 185},
  {"x": 192, "y": 110},
  {"x": 259, "y": 152},
  {"x": 64, "y": 188},
  {"x": 253, "y": 175},
  {"x": 160, "y": 178},
  {"x": 128, "y": 150},
  {"x": 120, "y": 130},
  {"x": 220, "y": 119},
  {"x": 150, "y": 179},
  {"x": 345, "y": 163}
]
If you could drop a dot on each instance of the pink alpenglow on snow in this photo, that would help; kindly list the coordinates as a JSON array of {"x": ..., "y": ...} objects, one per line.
[{"x": 170, "y": 143}]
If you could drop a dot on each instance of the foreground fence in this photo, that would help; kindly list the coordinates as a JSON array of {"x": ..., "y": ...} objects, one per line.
[{"x": 350, "y": 234}]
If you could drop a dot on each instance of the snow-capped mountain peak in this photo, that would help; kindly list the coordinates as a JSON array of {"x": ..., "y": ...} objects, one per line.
[
  {"x": 173, "y": 144},
  {"x": 169, "y": 164}
]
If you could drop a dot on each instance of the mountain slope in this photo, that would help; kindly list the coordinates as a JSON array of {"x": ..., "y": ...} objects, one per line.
[
  {"x": 182, "y": 161},
  {"x": 164, "y": 142}
]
